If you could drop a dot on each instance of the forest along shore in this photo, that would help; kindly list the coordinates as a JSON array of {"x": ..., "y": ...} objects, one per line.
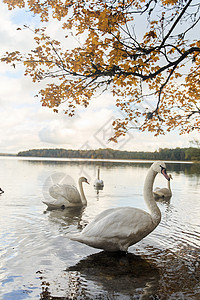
[{"x": 177, "y": 154}]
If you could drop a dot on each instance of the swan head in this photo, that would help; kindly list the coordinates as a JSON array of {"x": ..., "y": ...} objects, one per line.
[
  {"x": 83, "y": 179},
  {"x": 160, "y": 167}
]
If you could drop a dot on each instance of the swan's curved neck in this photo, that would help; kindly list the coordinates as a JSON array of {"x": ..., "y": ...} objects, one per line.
[
  {"x": 169, "y": 187},
  {"x": 148, "y": 196},
  {"x": 83, "y": 199}
]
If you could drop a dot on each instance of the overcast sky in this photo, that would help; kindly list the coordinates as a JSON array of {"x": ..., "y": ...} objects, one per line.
[{"x": 25, "y": 124}]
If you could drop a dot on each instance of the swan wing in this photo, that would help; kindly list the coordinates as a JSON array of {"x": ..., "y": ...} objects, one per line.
[
  {"x": 162, "y": 192},
  {"x": 55, "y": 203},
  {"x": 120, "y": 223},
  {"x": 55, "y": 191},
  {"x": 71, "y": 193},
  {"x": 103, "y": 214},
  {"x": 156, "y": 189},
  {"x": 65, "y": 191}
]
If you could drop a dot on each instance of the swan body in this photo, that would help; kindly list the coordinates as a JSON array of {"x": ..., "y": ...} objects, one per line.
[
  {"x": 116, "y": 229},
  {"x": 163, "y": 192},
  {"x": 98, "y": 182},
  {"x": 65, "y": 195}
]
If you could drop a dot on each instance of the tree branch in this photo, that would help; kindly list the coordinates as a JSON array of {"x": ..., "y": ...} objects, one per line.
[{"x": 175, "y": 24}]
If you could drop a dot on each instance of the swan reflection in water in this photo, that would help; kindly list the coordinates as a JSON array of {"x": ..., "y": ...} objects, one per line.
[
  {"x": 165, "y": 201},
  {"x": 116, "y": 272},
  {"x": 67, "y": 216},
  {"x": 97, "y": 189}
]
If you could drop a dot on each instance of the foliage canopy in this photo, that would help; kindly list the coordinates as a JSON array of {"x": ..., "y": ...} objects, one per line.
[{"x": 146, "y": 52}]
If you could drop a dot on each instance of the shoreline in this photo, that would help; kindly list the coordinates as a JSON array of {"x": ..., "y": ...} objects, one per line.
[{"x": 39, "y": 158}]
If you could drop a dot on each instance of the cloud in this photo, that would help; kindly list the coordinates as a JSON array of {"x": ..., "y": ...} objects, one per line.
[
  {"x": 72, "y": 132},
  {"x": 11, "y": 38},
  {"x": 56, "y": 133}
]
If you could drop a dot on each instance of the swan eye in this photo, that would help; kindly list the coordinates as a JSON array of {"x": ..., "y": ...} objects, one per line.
[
  {"x": 163, "y": 169},
  {"x": 86, "y": 181}
]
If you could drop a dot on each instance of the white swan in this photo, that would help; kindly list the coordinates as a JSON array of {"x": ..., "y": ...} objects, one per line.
[
  {"x": 98, "y": 182},
  {"x": 163, "y": 192},
  {"x": 66, "y": 195},
  {"x": 116, "y": 229}
]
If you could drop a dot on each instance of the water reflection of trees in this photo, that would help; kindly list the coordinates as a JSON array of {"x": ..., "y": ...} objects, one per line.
[{"x": 187, "y": 169}]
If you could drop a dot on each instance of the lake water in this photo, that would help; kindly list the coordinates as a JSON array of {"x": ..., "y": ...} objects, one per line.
[{"x": 37, "y": 261}]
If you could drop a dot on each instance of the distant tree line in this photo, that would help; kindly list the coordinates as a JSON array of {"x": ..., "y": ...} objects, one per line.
[
  {"x": 184, "y": 154},
  {"x": 7, "y": 154}
]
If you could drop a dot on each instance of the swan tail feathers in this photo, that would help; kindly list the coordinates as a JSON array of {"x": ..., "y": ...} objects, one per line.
[{"x": 74, "y": 236}]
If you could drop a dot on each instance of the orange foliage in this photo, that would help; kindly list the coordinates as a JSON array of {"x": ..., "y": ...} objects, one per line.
[{"x": 154, "y": 78}]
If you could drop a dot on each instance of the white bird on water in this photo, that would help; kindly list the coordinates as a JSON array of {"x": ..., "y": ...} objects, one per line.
[
  {"x": 116, "y": 229},
  {"x": 98, "y": 184},
  {"x": 66, "y": 195},
  {"x": 163, "y": 192}
]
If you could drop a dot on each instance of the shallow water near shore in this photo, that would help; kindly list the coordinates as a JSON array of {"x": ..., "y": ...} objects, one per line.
[{"x": 37, "y": 261}]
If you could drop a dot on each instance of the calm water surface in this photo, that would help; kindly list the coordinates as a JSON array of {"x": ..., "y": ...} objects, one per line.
[{"x": 37, "y": 261}]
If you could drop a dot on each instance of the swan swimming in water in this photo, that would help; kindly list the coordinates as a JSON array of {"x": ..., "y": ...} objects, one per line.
[
  {"x": 116, "y": 229},
  {"x": 98, "y": 184},
  {"x": 66, "y": 195},
  {"x": 163, "y": 192}
]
